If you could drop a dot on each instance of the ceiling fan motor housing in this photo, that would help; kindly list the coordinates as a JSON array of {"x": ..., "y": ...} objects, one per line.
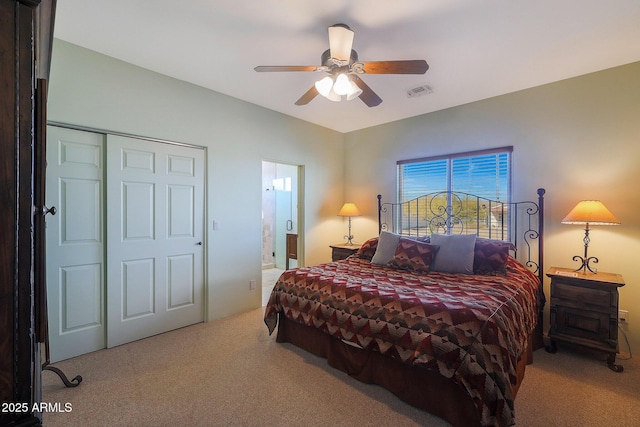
[{"x": 335, "y": 64}]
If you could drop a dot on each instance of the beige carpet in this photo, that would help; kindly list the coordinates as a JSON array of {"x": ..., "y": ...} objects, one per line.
[
  {"x": 269, "y": 278},
  {"x": 231, "y": 373}
]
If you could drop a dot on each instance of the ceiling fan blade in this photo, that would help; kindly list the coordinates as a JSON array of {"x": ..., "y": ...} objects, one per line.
[
  {"x": 368, "y": 96},
  {"x": 415, "y": 66},
  {"x": 308, "y": 96},
  {"x": 340, "y": 41},
  {"x": 269, "y": 68}
]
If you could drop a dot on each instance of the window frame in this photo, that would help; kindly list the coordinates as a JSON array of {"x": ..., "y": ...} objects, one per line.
[{"x": 450, "y": 175}]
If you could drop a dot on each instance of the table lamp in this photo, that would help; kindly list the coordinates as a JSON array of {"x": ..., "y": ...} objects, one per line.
[
  {"x": 349, "y": 210},
  {"x": 589, "y": 212}
]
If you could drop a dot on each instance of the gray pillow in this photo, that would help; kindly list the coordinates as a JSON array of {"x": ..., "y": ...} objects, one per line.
[
  {"x": 387, "y": 244},
  {"x": 456, "y": 253}
]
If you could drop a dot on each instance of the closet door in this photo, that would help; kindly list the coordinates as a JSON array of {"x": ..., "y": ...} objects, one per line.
[
  {"x": 75, "y": 242},
  {"x": 155, "y": 227}
]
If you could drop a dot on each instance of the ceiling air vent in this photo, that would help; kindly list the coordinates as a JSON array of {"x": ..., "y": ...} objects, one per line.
[{"x": 419, "y": 91}]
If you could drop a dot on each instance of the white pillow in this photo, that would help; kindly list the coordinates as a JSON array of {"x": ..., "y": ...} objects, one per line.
[
  {"x": 455, "y": 254},
  {"x": 386, "y": 250}
]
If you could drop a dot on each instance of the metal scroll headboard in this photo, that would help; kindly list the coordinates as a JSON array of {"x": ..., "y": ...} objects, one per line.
[{"x": 450, "y": 212}]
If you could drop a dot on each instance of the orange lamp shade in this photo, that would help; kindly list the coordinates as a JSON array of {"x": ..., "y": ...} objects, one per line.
[
  {"x": 349, "y": 209},
  {"x": 591, "y": 212}
]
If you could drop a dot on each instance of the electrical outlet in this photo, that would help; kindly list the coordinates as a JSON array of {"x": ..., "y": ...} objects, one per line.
[
  {"x": 252, "y": 285},
  {"x": 623, "y": 316}
]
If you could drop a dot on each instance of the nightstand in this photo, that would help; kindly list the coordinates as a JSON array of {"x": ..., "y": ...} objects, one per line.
[
  {"x": 584, "y": 311},
  {"x": 342, "y": 251}
]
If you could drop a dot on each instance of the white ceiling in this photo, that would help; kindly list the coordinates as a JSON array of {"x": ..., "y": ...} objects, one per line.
[{"x": 476, "y": 49}]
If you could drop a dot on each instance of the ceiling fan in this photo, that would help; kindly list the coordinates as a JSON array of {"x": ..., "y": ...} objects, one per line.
[{"x": 340, "y": 63}]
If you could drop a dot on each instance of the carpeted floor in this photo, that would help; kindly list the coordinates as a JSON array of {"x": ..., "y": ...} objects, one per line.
[
  {"x": 232, "y": 373},
  {"x": 269, "y": 278}
]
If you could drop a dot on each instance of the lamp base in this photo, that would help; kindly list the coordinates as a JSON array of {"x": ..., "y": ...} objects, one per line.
[
  {"x": 349, "y": 236},
  {"x": 585, "y": 264},
  {"x": 585, "y": 260}
]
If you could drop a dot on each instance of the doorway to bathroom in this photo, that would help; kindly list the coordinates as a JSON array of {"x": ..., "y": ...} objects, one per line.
[{"x": 281, "y": 221}]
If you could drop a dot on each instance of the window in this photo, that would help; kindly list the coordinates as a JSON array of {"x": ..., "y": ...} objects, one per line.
[{"x": 485, "y": 173}]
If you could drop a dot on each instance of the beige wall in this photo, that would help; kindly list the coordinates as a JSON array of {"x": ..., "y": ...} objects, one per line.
[
  {"x": 578, "y": 138},
  {"x": 93, "y": 90}
]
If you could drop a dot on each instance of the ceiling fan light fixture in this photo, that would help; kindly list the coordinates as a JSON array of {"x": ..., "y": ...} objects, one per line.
[
  {"x": 341, "y": 59},
  {"x": 342, "y": 84},
  {"x": 333, "y": 96},
  {"x": 324, "y": 86},
  {"x": 354, "y": 91}
]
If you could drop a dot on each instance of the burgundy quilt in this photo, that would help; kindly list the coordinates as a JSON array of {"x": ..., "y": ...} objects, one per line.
[{"x": 470, "y": 328}]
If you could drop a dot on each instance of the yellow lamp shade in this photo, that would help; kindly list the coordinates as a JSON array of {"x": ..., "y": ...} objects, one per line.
[
  {"x": 349, "y": 209},
  {"x": 591, "y": 212}
]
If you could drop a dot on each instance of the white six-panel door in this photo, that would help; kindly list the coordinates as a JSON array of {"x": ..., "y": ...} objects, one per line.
[
  {"x": 155, "y": 214},
  {"x": 125, "y": 249},
  {"x": 75, "y": 242}
]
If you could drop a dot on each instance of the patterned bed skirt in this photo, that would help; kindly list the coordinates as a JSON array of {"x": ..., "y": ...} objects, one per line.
[{"x": 414, "y": 385}]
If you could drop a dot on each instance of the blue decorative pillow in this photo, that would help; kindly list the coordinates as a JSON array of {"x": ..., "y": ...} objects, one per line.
[{"x": 455, "y": 254}]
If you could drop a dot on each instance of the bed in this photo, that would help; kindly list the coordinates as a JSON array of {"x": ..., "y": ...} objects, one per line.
[{"x": 413, "y": 311}]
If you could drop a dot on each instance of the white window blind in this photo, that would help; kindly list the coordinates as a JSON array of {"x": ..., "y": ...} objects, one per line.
[{"x": 485, "y": 173}]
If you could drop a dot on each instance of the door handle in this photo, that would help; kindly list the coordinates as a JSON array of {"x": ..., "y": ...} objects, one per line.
[
  {"x": 199, "y": 243},
  {"x": 45, "y": 210}
]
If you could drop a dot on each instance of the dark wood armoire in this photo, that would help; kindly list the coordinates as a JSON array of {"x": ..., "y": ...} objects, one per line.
[{"x": 26, "y": 29}]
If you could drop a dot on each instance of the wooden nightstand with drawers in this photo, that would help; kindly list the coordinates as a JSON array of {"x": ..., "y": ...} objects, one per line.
[
  {"x": 342, "y": 251},
  {"x": 584, "y": 311}
]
